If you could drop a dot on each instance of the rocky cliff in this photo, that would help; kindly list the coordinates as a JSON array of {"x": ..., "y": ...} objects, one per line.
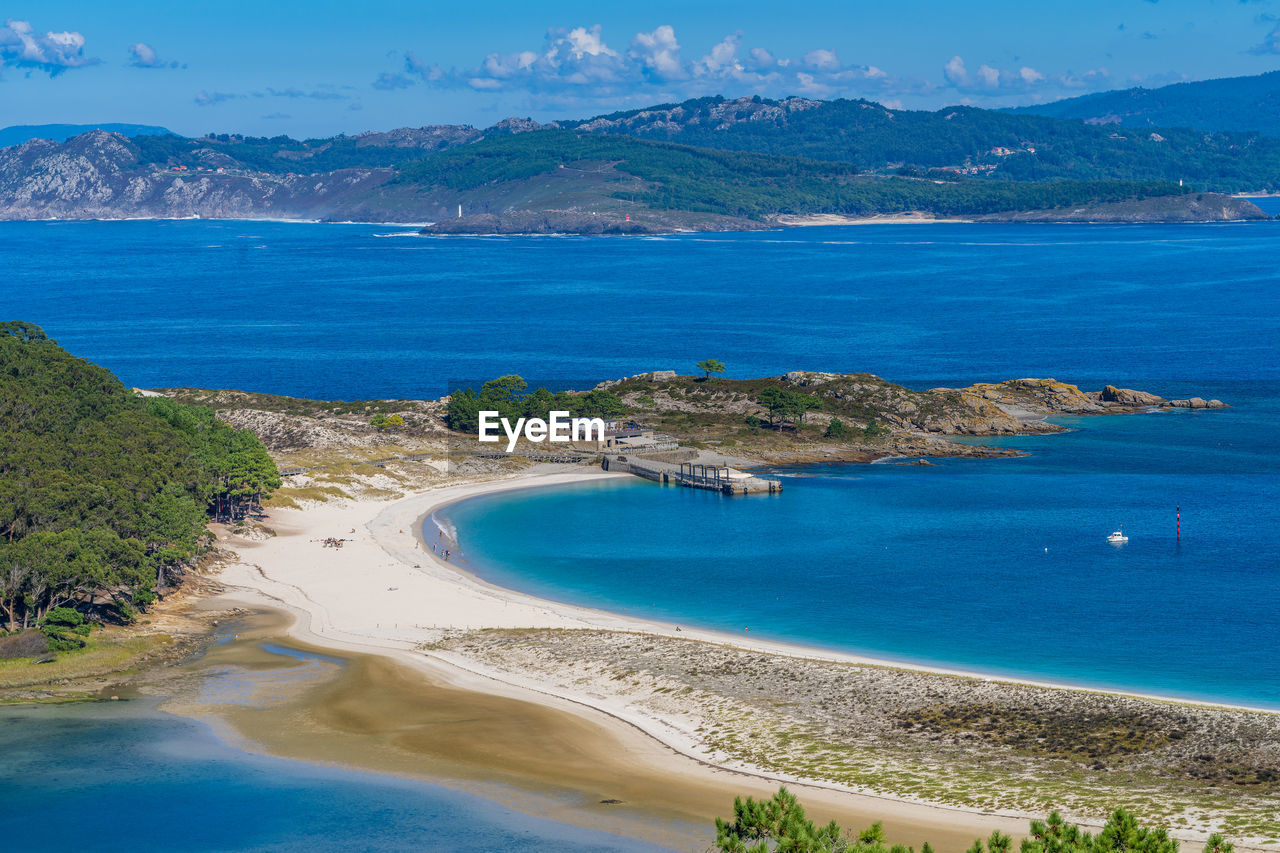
[{"x": 99, "y": 176}]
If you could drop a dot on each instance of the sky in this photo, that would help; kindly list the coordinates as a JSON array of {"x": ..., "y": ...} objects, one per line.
[{"x": 320, "y": 68}]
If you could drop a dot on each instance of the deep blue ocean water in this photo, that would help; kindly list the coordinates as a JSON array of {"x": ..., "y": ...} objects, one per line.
[
  {"x": 124, "y": 777},
  {"x": 946, "y": 564},
  {"x": 336, "y": 311}
]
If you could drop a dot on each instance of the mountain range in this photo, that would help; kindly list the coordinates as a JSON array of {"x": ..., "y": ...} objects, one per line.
[
  {"x": 704, "y": 163},
  {"x": 1228, "y": 103}
]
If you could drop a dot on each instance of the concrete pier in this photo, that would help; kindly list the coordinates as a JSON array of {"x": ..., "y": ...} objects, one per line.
[{"x": 718, "y": 478}]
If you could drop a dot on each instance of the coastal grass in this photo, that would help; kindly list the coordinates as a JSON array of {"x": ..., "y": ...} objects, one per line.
[
  {"x": 293, "y": 497},
  {"x": 108, "y": 652},
  {"x": 922, "y": 736}
]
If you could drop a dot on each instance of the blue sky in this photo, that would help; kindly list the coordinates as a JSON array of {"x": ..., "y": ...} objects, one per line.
[{"x": 321, "y": 67}]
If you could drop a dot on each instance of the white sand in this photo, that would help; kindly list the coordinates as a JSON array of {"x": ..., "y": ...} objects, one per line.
[
  {"x": 878, "y": 219},
  {"x": 384, "y": 592}
]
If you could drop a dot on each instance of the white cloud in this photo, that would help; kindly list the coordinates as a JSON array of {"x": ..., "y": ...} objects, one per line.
[
  {"x": 209, "y": 99},
  {"x": 205, "y": 98},
  {"x": 991, "y": 81},
  {"x": 53, "y": 52},
  {"x": 142, "y": 55},
  {"x": 954, "y": 72},
  {"x": 759, "y": 59},
  {"x": 823, "y": 60},
  {"x": 659, "y": 53},
  {"x": 578, "y": 63},
  {"x": 314, "y": 94}
]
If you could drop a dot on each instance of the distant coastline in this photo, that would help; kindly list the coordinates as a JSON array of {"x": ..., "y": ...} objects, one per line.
[{"x": 585, "y": 225}]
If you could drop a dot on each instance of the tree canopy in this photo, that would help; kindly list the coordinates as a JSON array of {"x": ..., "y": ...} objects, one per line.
[
  {"x": 103, "y": 494},
  {"x": 784, "y": 405},
  {"x": 510, "y": 398},
  {"x": 711, "y": 365},
  {"x": 780, "y": 824}
]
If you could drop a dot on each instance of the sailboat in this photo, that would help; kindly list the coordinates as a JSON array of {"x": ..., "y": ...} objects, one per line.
[{"x": 1118, "y": 537}]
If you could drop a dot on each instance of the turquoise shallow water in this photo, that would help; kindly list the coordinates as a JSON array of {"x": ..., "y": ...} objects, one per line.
[
  {"x": 125, "y": 777},
  {"x": 999, "y": 566}
]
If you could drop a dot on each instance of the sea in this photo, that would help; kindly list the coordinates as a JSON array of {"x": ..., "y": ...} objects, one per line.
[
  {"x": 995, "y": 566},
  {"x": 122, "y": 776}
]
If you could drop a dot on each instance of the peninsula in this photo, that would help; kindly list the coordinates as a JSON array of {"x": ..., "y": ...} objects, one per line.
[{"x": 646, "y": 717}]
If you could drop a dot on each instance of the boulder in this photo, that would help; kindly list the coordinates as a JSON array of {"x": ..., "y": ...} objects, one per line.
[
  {"x": 1197, "y": 403},
  {"x": 1128, "y": 397}
]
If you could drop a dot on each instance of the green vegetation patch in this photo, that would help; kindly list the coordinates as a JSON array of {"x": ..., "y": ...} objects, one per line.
[
  {"x": 104, "y": 495},
  {"x": 780, "y": 823},
  {"x": 105, "y": 653},
  {"x": 1109, "y": 734},
  {"x": 740, "y": 184}
]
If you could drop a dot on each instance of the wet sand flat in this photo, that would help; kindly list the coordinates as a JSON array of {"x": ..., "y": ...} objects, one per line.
[{"x": 370, "y": 712}]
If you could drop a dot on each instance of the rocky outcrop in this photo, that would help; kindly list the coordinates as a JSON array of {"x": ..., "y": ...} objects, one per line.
[
  {"x": 288, "y": 424},
  {"x": 1015, "y": 406},
  {"x": 1196, "y": 403},
  {"x": 1128, "y": 397},
  {"x": 435, "y": 137},
  {"x": 1139, "y": 399},
  {"x": 103, "y": 175},
  {"x": 98, "y": 176},
  {"x": 669, "y": 121},
  {"x": 1037, "y": 397},
  {"x": 517, "y": 125},
  {"x": 944, "y": 411}
]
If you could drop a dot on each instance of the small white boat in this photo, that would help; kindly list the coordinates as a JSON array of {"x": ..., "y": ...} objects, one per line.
[{"x": 1118, "y": 537}]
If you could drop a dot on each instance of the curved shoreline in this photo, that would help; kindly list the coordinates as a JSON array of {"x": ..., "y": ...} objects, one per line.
[
  {"x": 795, "y": 649},
  {"x": 316, "y": 621},
  {"x": 408, "y": 597}
]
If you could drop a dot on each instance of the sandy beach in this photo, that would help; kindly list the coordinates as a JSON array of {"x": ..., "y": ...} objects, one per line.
[
  {"x": 879, "y": 219},
  {"x": 406, "y": 597},
  {"x": 384, "y": 595}
]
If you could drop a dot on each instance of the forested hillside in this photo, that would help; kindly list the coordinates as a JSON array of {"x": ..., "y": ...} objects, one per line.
[
  {"x": 985, "y": 143},
  {"x": 1228, "y": 103},
  {"x": 104, "y": 496},
  {"x": 730, "y": 183}
]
